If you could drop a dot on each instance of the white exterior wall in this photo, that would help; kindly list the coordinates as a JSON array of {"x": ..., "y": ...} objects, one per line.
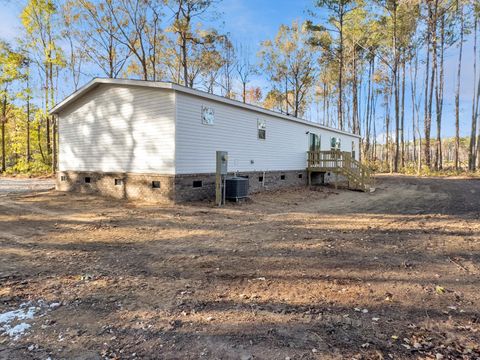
[
  {"x": 235, "y": 131},
  {"x": 119, "y": 129}
]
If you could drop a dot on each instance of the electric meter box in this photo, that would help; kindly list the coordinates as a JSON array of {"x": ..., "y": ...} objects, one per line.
[{"x": 222, "y": 162}]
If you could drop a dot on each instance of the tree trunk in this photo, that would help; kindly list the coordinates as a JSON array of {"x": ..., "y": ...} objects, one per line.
[
  {"x": 340, "y": 74},
  {"x": 439, "y": 98},
  {"x": 402, "y": 121},
  {"x": 367, "y": 115},
  {"x": 54, "y": 139},
  {"x": 4, "y": 121},
  {"x": 28, "y": 128},
  {"x": 387, "y": 131},
  {"x": 428, "y": 122},
  {"x": 473, "y": 133},
  {"x": 477, "y": 103},
  {"x": 372, "y": 109},
  {"x": 185, "y": 61},
  {"x": 413, "y": 79},
  {"x": 52, "y": 103},
  {"x": 297, "y": 98},
  {"x": 457, "y": 95},
  {"x": 374, "y": 145},
  {"x": 395, "y": 89},
  {"x": 355, "y": 123},
  {"x": 49, "y": 150},
  {"x": 325, "y": 119},
  {"x": 286, "y": 94}
]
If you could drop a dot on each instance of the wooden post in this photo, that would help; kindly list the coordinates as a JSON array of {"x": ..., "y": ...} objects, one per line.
[
  {"x": 220, "y": 175},
  {"x": 218, "y": 189},
  {"x": 336, "y": 170}
]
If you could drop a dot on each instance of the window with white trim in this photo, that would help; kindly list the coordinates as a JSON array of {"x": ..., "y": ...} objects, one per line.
[
  {"x": 262, "y": 129},
  {"x": 335, "y": 144}
]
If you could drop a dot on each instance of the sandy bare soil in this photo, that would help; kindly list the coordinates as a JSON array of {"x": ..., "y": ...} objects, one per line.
[{"x": 297, "y": 274}]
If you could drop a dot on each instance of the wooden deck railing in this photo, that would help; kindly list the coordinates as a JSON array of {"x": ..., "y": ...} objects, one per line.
[{"x": 341, "y": 162}]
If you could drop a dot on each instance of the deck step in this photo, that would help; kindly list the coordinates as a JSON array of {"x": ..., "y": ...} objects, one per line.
[{"x": 358, "y": 175}]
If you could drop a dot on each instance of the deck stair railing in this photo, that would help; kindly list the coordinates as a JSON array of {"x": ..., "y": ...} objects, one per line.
[{"x": 359, "y": 176}]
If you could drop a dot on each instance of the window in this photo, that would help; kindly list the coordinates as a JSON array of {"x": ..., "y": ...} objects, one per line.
[
  {"x": 87, "y": 179},
  {"x": 208, "y": 115},
  {"x": 118, "y": 182},
  {"x": 300, "y": 176},
  {"x": 63, "y": 178},
  {"x": 353, "y": 150},
  {"x": 335, "y": 144},
  {"x": 262, "y": 129},
  {"x": 260, "y": 178},
  {"x": 282, "y": 177},
  {"x": 155, "y": 184},
  {"x": 197, "y": 183},
  {"x": 314, "y": 142}
]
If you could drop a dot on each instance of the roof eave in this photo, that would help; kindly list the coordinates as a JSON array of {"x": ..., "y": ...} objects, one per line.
[{"x": 166, "y": 85}]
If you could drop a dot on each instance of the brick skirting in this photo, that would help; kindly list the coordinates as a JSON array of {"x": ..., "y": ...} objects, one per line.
[
  {"x": 172, "y": 188},
  {"x": 118, "y": 185}
]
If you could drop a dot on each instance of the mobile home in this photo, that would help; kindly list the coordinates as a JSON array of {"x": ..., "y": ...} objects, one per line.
[{"x": 158, "y": 141}]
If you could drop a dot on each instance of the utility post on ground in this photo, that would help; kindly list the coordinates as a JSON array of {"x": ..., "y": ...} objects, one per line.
[{"x": 221, "y": 175}]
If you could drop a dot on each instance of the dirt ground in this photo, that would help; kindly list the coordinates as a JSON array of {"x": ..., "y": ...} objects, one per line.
[
  {"x": 18, "y": 186},
  {"x": 297, "y": 274}
]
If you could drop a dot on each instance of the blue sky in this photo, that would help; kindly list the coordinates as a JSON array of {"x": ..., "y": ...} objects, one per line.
[{"x": 251, "y": 21}]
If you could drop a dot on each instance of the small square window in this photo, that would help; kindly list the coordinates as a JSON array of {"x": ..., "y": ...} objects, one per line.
[
  {"x": 260, "y": 178},
  {"x": 208, "y": 115},
  {"x": 197, "y": 183},
  {"x": 118, "y": 182},
  {"x": 155, "y": 184},
  {"x": 63, "y": 178},
  {"x": 88, "y": 179},
  {"x": 282, "y": 177},
  {"x": 300, "y": 176}
]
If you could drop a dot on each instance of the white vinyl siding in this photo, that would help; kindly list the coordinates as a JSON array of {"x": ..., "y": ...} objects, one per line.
[
  {"x": 235, "y": 130},
  {"x": 119, "y": 129}
]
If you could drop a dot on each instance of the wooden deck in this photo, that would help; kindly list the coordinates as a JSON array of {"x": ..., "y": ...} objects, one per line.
[{"x": 340, "y": 163}]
